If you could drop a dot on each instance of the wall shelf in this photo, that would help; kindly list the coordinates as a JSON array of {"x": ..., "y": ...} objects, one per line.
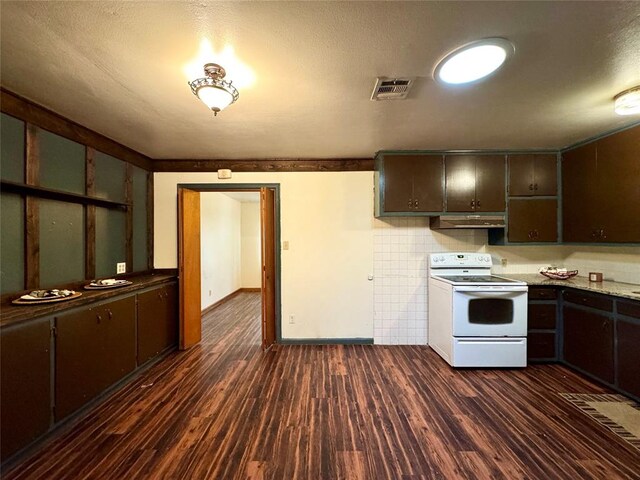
[{"x": 51, "y": 194}]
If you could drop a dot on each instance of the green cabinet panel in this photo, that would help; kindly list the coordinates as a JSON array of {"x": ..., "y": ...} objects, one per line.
[
  {"x": 12, "y": 149},
  {"x": 110, "y": 241},
  {"x": 62, "y": 163},
  {"x": 139, "y": 219},
  {"x": 12, "y": 243},
  {"x": 61, "y": 243},
  {"x": 110, "y": 177}
]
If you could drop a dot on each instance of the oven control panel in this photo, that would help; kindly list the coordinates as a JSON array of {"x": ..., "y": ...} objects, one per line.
[{"x": 454, "y": 260}]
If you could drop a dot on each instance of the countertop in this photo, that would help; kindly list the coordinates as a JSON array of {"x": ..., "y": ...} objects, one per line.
[
  {"x": 11, "y": 314},
  {"x": 608, "y": 287}
]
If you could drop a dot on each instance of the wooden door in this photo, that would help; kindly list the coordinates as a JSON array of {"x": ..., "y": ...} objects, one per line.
[
  {"x": 580, "y": 209},
  {"x": 490, "y": 183},
  {"x": 533, "y": 220},
  {"x": 428, "y": 183},
  {"x": 618, "y": 193},
  {"x": 460, "y": 181},
  {"x": 398, "y": 182},
  {"x": 521, "y": 179},
  {"x": 190, "y": 330},
  {"x": 267, "y": 224}
]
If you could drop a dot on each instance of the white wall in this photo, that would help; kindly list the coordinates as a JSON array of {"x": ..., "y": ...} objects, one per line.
[
  {"x": 250, "y": 247},
  {"x": 219, "y": 246},
  {"x": 328, "y": 220}
]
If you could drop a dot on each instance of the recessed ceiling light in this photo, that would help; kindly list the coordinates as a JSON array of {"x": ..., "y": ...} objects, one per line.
[
  {"x": 473, "y": 61},
  {"x": 628, "y": 102}
]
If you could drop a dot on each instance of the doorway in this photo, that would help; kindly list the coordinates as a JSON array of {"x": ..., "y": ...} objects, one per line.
[{"x": 189, "y": 258}]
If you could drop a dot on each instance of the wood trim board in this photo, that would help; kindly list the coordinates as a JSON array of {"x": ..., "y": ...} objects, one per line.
[{"x": 266, "y": 165}]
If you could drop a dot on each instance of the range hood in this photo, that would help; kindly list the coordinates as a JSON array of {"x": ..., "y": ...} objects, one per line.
[{"x": 467, "y": 221}]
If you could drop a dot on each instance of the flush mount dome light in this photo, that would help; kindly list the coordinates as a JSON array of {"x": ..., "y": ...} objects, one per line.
[
  {"x": 628, "y": 102},
  {"x": 215, "y": 92},
  {"x": 473, "y": 61}
]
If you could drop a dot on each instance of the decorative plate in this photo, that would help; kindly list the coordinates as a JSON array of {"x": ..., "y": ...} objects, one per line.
[
  {"x": 107, "y": 283},
  {"x": 46, "y": 296}
]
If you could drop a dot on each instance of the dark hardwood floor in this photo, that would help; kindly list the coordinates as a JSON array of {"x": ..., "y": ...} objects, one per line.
[{"x": 225, "y": 410}]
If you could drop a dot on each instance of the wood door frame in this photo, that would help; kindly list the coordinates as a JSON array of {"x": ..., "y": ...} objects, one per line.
[{"x": 249, "y": 187}]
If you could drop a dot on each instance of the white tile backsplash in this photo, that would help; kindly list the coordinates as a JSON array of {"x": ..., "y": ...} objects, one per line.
[{"x": 401, "y": 250}]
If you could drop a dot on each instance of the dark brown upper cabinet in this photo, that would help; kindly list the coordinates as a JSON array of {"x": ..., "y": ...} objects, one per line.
[
  {"x": 533, "y": 220},
  {"x": 601, "y": 190},
  {"x": 475, "y": 183},
  {"x": 410, "y": 184},
  {"x": 533, "y": 175}
]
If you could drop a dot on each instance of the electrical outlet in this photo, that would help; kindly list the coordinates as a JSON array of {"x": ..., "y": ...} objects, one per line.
[
  {"x": 121, "y": 267},
  {"x": 285, "y": 245},
  {"x": 503, "y": 262},
  {"x": 292, "y": 319},
  {"x": 209, "y": 292}
]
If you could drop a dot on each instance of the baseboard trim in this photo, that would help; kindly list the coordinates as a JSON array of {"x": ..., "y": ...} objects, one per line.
[
  {"x": 325, "y": 341},
  {"x": 227, "y": 298}
]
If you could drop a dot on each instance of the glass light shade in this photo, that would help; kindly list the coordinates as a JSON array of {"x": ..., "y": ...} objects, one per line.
[
  {"x": 628, "y": 103},
  {"x": 474, "y": 61},
  {"x": 214, "y": 97}
]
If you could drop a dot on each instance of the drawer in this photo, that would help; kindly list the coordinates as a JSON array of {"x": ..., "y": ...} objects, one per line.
[
  {"x": 542, "y": 293},
  {"x": 629, "y": 308},
  {"x": 601, "y": 302},
  {"x": 542, "y": 316},
  {"x": 541, "y": 345}
]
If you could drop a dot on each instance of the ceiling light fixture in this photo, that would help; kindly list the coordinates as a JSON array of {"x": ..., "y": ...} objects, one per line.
[
  {"x": 215, "y": 92},
  {"x": 473, "y": 61},
  {"x": 628, "y": 102}
]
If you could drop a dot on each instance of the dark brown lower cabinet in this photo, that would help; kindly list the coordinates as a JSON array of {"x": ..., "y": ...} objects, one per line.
[
  {"x": 628, "y": 358},
  {"x": 157, "y": 321},
  {"x": 541, "y": 345},
  {"x": 588, "y": 342},
  {"x": 95, "y": 347},
  {"x": 541, "y": 324},
  {"x": 25, "y": 407},
  {"x": 533, "y": 220}
]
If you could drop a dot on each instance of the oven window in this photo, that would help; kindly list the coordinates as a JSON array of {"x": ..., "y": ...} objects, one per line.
[{"x": 491, "y": 311}]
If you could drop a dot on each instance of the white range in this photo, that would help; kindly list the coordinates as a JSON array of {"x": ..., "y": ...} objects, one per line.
[{"x": 476, "y": 319}]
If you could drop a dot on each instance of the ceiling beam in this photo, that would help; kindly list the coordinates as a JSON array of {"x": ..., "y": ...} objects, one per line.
[{"x": 267, "y": 165}]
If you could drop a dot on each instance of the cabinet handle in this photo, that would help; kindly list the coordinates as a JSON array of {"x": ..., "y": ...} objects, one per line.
[
  {"x": 530, "y": 235},
  {"x": 535, "y": 234},
  {"x": 110, "y": 314},
  {"x": 473, "y": 203},
  {"x": 415, "y": 204},
  {"x": 602, "y": 235},
  {"x": 99, "y": 318},
  {"x": 535, "y": 186},
  {"x": 594, "y": 233},
  {"x": 477, "y": 203},
  {"x": 531, "y": 186},
  {"x": 409, "y": 203}
]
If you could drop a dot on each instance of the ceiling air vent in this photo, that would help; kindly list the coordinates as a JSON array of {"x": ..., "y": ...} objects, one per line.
[{"x": 391, "y": 88}]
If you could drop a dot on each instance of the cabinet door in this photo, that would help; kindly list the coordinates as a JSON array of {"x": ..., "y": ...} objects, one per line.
[
  {"x": 533, "y": 220},
  {"x": 588, "y": 342},
  {"x": 618, "y": 194},
  {"x": 628, "y": 336},
  {"x": 541, "y": 345},
  {"x": 490, "y": 183},
  {"x": 428, "y": 187},
  {"x": 157, "y": 321},
  {"x": 95, "y": 347},
  {"x": 460, "y": 181},
  {"x": 580, "y": 207},
  {"x": 25, "y": 407},
  {"x": 521, "y": 178},
  {"x": 545, "y": 174},
  {"x": 398, "y": 182}
]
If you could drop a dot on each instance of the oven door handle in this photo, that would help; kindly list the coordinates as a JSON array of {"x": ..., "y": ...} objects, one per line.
[{"x": 490, "y": 292}]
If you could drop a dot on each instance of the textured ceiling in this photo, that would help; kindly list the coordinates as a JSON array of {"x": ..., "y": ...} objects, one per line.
[{"x": 118, "y": 68}]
